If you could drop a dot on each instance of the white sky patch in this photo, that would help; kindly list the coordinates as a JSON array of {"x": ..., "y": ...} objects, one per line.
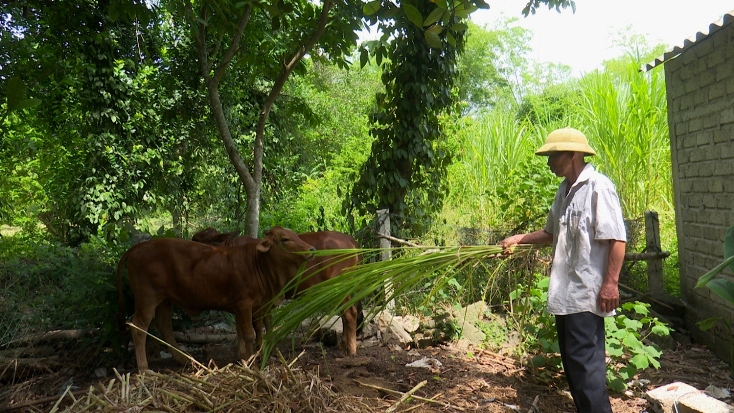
[{"x": 585, "y": 39}]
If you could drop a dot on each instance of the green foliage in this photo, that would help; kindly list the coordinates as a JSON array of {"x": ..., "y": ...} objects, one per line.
[
  {"x": 627, "y": 343},
  {"x": 526, "y": 196},
  {"x": 47, "y": 286},
  {"x": 499, "y": 182},
  {"x": 553, "y": 105},
  {"x": 533, "y": 5},
  {"x": 101, "y": 140},
  {"x": 16, "y": 100},
  {"x": 627, "y": 334},
  {"x": 496, "y": 331},
  {"x": 535, "y": 325},
  {"x": 405, "y": 172},
  {"x": 328, "y": 153},
  {"x": 488, "y": 64},
  {"x": 625, "y": 119},
  {"x": 20, "y": 192}
]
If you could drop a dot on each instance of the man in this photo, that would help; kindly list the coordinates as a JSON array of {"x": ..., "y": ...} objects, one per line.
[{"x": 586, "y": 228}]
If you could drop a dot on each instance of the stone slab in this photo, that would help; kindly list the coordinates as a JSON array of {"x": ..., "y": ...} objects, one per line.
[{"x": 680, "y": 397}]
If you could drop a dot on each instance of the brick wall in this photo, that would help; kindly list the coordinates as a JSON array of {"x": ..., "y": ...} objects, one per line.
[{"x": 700, "y": 89}]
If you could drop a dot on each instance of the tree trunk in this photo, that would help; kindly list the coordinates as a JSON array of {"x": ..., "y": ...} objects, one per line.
[{"x": 250, "y": 178}]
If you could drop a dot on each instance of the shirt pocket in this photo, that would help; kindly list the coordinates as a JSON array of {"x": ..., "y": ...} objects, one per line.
[{"x": 573, "y": 226}]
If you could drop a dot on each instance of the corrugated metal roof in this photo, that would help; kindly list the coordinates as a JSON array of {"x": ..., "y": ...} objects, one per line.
[{"x": 687, "y": 43}]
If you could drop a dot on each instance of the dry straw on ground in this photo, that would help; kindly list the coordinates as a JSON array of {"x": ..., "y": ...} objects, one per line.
[{"x": 280, "y": 387}]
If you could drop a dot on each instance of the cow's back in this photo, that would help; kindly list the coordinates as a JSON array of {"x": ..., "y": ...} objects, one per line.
[
  {"x": 322, "y": 268},
  {"x": 193, "y": 275}
]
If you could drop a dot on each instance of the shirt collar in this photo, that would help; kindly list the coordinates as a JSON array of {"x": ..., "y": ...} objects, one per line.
[
  {"x": 585, "y": 173},
  {"x": 583, "y": 176}
]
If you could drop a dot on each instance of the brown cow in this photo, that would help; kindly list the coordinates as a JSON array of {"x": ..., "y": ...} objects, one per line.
[
  {"x": 319, "y": 269},
  {"x": 241, "y": 279}
]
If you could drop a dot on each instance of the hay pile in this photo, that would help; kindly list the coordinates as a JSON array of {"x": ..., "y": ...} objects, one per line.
[{"x": 232, "y": 388}]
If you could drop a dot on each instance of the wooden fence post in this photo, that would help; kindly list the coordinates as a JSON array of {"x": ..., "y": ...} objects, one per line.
[
  {"x": 655, "y": 283},
  {"x": 383, "y": 224}
]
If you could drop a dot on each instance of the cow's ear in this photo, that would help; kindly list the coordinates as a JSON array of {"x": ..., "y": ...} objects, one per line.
[{"x": 264, "y": 245}]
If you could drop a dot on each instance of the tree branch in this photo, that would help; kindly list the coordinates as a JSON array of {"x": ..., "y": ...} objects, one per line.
[
  {"x": 234, "y": 47},
  {"x": 288, "y": 67},
  {"x": 199, "y": 31}
]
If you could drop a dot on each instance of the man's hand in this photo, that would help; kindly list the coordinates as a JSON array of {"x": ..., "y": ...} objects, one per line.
[
  {"x": 537, "y": 237},
  {"x": 609, "y": 297},
  {"x": 508, "y": 244}
]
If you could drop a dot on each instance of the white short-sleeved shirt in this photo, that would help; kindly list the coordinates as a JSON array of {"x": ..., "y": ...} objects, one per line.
[{"x": 582, "y": 223}]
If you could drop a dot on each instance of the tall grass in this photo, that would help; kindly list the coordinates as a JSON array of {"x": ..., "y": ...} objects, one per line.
[
  {"x": 625, "y": 119},
  {"x": 624, "y": 115},
  {"x": 493, "y": 146}
]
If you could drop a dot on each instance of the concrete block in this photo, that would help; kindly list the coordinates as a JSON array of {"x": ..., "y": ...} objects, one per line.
[
  {"x": 723, "y": 72},
  {"x": 679, "y": 397},
  {"x": 707, "y": 77},
  {"x": 717, "y": 91},
  {"x": 703, "y": 47},
  {"x": 716, "y": 59}
]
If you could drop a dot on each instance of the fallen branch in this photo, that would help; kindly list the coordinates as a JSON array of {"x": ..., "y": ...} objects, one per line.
[
  {"x": 397, "y": 240},
  {"x": 53, "y": 336},
  {"x": 534, "y": 407},
  {"x": 499, "y": 358},
  {"x": 624, "y": 287},
  {"x": 20, "y": 368},
  {"x": 406, "y": 396},
  {"x": 195, "y": 338},
  {"x": 423, "y": 399},
  {"x": 25, "y": 352}
]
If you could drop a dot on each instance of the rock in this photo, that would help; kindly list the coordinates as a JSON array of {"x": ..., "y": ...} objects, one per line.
[
  {"x": 330, "y": 330},
  {"x": 466, "y": 319},
  {"x": 426, "y": 363},
  {"x": 409, "y": 322},
  {"x": 392, "y": 330},
  {"x": 680, "y": 397}
]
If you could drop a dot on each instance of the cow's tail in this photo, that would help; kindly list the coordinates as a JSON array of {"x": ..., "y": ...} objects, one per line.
[{"x": 120, "y": 299}]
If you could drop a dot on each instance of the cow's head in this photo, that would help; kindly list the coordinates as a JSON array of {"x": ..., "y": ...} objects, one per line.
[
  {"x": 287, "y": 240},
  {"x": 213, "y": 237},
  {"x": 205, "y": 235}
]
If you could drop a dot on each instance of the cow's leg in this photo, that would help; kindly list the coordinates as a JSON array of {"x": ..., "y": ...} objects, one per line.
[
  {"x": 163, "y": 321},
  {"x": 349, "y": 330},
  {"x": 245, "y": 331},
  {"x": 261, "y": 323},
  {"x": 141, "y": 319}
]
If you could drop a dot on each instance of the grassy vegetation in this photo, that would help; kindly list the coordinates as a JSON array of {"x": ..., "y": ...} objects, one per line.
[{"x": 497, "y": 187}]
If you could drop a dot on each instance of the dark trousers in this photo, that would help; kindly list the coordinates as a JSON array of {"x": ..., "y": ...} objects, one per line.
[{"x": 581, "y": 341}]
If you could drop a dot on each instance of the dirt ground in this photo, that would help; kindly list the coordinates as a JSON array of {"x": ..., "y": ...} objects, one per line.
[
  {"x": 466, "y": 380},
  {"x": 485, "y": 381}
]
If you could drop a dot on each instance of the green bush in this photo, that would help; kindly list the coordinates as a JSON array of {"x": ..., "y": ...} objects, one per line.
[
  {"x": 47, "y": 286},
  {"x": 626, "y": 335}
]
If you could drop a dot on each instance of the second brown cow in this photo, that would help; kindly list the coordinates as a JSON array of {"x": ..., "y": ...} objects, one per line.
[
  {"x": 318, "y": 269},
  {"x": 242, "y": 280}
]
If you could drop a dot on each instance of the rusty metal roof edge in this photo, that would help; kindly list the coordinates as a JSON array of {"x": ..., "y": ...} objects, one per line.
[{"x": 673, "y": 52}]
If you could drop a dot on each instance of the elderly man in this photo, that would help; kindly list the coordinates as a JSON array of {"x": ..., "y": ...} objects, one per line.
[{"x": 586, "y": 228}]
